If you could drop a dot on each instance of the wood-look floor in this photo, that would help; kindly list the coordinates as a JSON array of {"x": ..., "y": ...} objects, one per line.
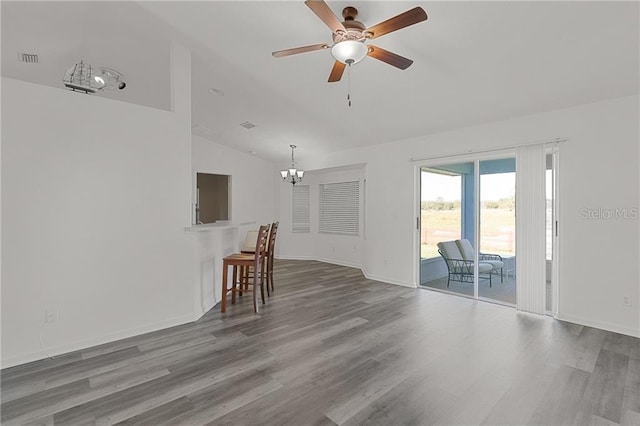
[{"x": 333, "y": 348}]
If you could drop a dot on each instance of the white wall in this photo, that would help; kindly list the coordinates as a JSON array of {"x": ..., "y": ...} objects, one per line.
[
  {"x": 599, "y": 169},
  {"x": 339, "y": 249},
  {"x": 95, "y": 198},
  {"x": 254, "y": 200},
  {"x": 96, "y": 195},
  {"x": 253, "y": 191}
]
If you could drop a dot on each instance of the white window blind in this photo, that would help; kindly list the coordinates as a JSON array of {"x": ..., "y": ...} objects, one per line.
[
  {"x": 530, "y": 229},
  {"x": 340, "y": 208},
  {"x": 300, "y": 210}
]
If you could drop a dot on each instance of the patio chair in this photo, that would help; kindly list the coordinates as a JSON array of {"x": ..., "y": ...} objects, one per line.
[
  {"x": 461, "y": 269},
  {"x": 495, "y": 260}
]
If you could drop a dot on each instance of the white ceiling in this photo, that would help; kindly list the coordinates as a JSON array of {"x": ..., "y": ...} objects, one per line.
[{"x": 474, "y": 62}]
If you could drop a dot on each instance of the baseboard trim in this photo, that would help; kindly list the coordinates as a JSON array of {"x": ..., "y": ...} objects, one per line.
[
  {"x": 387, "y": 280},
  {"x": 293, "y": 257},
  {"x": 603, "y": 325},
  {"x": 339, "y": 263},
  {"x": 95, "y": 341},
  {"x": 368, "y": 276},
  {"x": 320, "y": 259}
]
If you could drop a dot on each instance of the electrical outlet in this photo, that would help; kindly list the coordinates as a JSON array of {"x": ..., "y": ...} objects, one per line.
[
  {"x": 626, "y": 302},
  {"x": 51, "y": 315}
]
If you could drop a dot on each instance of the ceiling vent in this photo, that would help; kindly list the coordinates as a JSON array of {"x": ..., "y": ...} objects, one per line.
[
  {"x": 29, "y": 58},
  {"x": 248, "y": 125}
]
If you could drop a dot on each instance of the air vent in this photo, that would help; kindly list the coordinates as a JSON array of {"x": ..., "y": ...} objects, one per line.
[
  {"x": 248, "y": 125},
  {"x": 29, "y": 58}
]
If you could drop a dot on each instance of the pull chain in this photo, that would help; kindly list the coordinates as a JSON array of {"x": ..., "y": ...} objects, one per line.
[{"x": 349, "y": 84}]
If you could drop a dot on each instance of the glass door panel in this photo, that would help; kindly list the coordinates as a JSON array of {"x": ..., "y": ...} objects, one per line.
[
  {"x": 497, "y": 231},
  {"x": 550, "y": 228},
  {"x": 447, "y": 215}
]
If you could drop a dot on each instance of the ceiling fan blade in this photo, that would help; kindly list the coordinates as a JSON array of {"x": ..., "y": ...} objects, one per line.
[
  {"x": 321, "y": 9},
  {"x": 389, "y": 57},
  {"x": 410, "y": 17},
  {"x": 301, "y": 49},
  {"x": 336, "y": 72}
]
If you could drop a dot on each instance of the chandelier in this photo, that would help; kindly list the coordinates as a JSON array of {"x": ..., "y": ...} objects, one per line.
[{"x": 292, "y": 175}]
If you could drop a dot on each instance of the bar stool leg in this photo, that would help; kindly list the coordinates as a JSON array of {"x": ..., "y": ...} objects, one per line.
[
  {"x": 255, "y": 293},
  {"x": 270, "y": 273},
  {"x": 262, "y": 283},
  {"x": 264, "y": 276},
  {"x": 223, "y": 304},
  {"x": 233, "y": 285},
  {"x": 247, "y": 270}
]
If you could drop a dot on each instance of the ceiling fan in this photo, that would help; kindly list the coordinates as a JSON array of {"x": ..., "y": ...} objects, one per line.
[{"x": 349, "y": 37}]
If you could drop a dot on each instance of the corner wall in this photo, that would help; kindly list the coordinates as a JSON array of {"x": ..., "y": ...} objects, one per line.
[{"x": 343, "y": 250}]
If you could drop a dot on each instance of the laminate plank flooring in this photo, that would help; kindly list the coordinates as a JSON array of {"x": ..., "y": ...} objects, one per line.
[{"x": 333, "y": 348}]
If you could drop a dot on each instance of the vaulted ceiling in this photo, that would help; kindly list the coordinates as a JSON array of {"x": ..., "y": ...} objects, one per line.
[{"x": 474, "y": 62}]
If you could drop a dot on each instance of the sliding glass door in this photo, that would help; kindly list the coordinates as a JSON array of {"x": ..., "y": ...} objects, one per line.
[
  {"x": 447, "y": 216},
  {"x": 551, "y": 225},
  {"x": 467, "y": 232},
  {"x": 497, "y": 231}
]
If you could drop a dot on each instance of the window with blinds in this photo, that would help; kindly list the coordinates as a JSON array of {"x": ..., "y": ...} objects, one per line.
[
  {"x": 340, "y": 208},
  {"x": 300, "y": 210}
]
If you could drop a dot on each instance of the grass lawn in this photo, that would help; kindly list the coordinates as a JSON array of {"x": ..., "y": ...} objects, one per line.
[{"x": 497, "y": 230}]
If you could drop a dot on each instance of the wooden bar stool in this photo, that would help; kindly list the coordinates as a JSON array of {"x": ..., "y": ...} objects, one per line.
[
  {"x": 241, "y": 262},
  {"x": 270, "y": 254},
  {"x": 271, "y": 245}
]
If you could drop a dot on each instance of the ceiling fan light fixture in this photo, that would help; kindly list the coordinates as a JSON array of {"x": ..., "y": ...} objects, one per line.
[
  {"x": 349, "y": 51},
  {"x": 349, "y": 37}
]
